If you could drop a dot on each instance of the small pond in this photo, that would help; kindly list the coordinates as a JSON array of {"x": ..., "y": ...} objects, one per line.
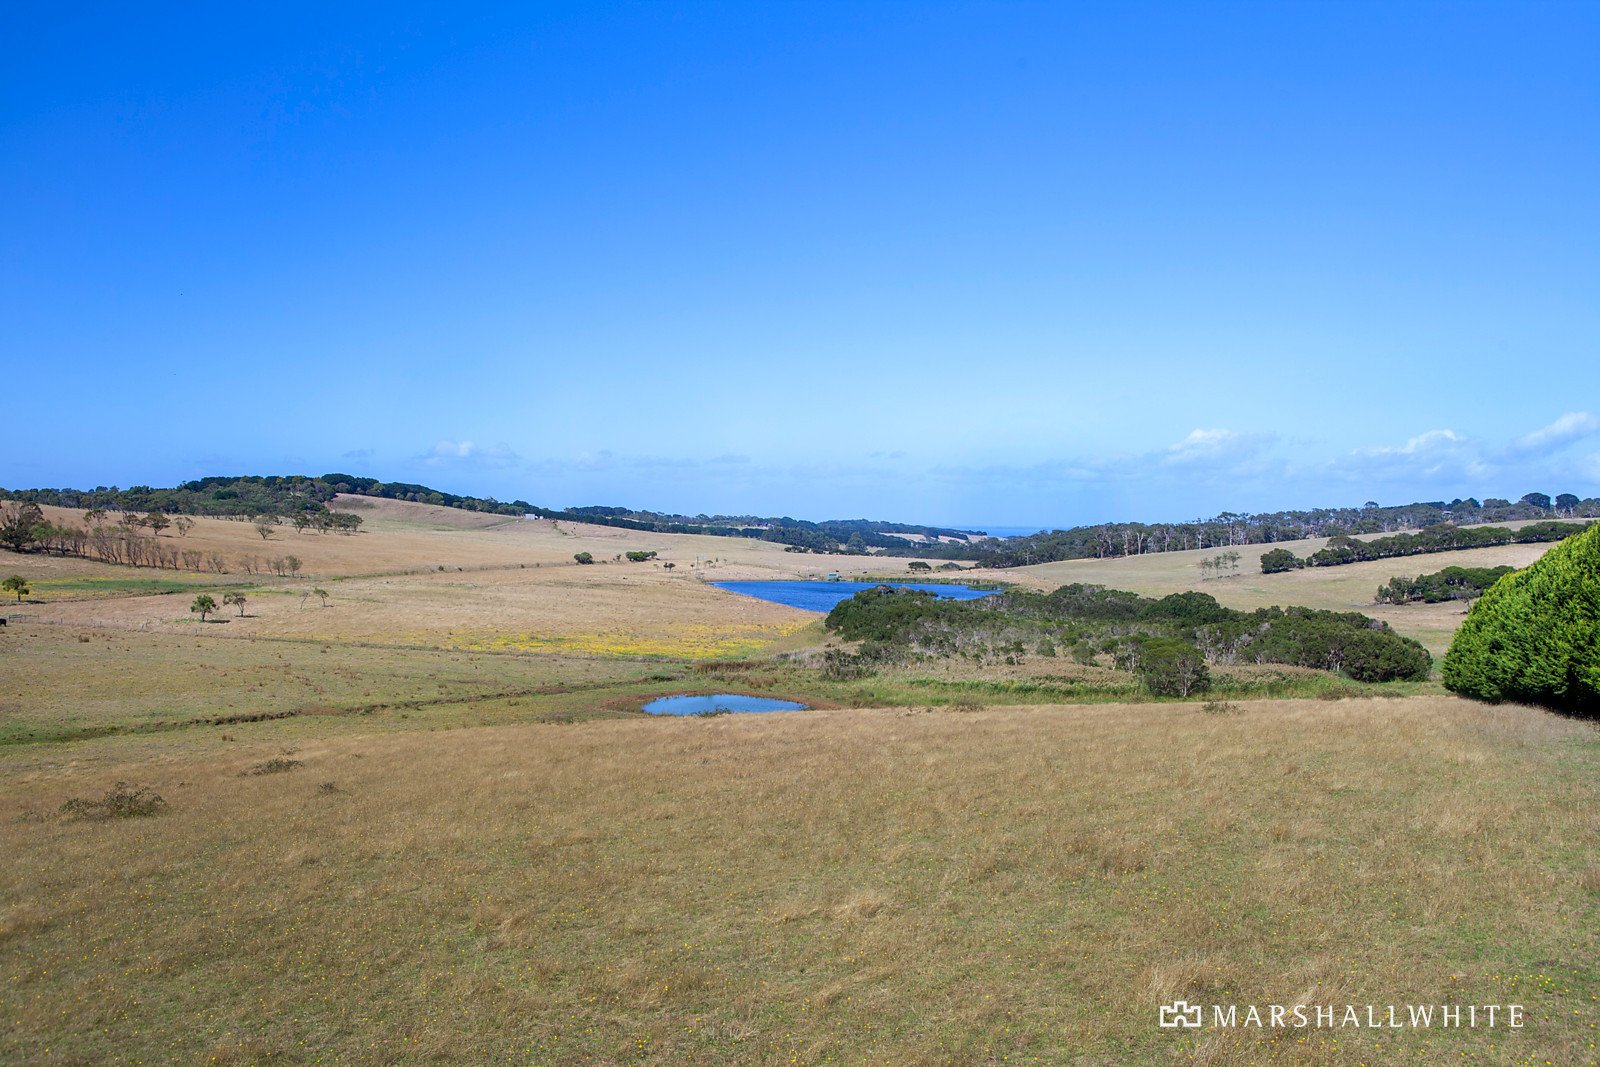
[
  {"x": 702, "y": 705},
  {"x": 822, "y": 596}
]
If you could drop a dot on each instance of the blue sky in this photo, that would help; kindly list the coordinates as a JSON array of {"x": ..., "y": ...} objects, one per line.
[{"x": 962, "y": 263}]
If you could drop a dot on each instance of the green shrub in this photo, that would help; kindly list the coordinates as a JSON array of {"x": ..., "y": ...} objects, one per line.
[
  {"x": 1170, "y": 667},
  {"x": 1535, "y": 635}
]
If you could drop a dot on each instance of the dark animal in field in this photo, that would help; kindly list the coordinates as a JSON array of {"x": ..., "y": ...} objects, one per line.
[{"x": 2, "y": 622}]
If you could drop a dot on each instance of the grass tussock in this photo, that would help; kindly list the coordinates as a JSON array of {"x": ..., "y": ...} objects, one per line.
[
  {"x": 276, "y": 765},
  {"x": 121, "y": 801}
]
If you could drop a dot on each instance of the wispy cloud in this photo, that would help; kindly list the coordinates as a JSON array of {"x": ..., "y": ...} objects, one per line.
[
  {"x": 1423, "y": 444},
  {"x": 1573, "y": 426},
  {"x": 469, "y": 454},
  {"x": 359, "y": 453},
  {"x": 1215, "y": 448},
  {"x": 1444, "y": 459},
  {"x": 1426, "y": 459}
]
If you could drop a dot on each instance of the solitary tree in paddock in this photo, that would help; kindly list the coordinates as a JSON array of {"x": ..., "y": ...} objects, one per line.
[
  {"x": 16, "y": 584},
  {"x": 235, "y": 599},
  {"x": 323, "y": 594},
  {"x": 203, "y": 605},
  {"x": 157, "y": 521}
]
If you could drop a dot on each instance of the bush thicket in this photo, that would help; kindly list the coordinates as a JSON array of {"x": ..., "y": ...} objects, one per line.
[{"x": 1535, "y": 635}]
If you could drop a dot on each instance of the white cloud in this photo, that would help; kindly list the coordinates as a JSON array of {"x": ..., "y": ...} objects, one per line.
[
  {"x": 468, "y": 453},
  {"x": 1216, "y": 452},
  {"x": 1431, "y": 458},
  {"x": 1430, "y": 443},
  {"x": 1573, "y": 426}
]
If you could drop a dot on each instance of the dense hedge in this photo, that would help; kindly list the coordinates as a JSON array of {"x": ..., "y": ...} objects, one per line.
[
  {"x": 1136, "y": 631},
  {"x": 1441, "y": 538},
  {"x": 1535, "y": 635},
  {"x": 1452, "y": 583}
]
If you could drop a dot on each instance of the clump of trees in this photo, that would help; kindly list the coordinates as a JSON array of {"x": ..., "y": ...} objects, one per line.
[
  {"x": 584, "y": 558},
  {"x": 344, "y": 522},
  {"x": 640, "y": 557},
  {"x": 1532, "y": 636},
  {"x": 1452, "y": 583},
  {"x": 1136, "y": 633},
  {"x": 1278, "y": 560}
]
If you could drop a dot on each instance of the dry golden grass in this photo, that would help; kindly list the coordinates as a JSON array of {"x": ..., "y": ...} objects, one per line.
[
  {"x": 620, "y": 609},
  {"x": 1009, "y": 885},
  {"x": 399, "y": 537}
]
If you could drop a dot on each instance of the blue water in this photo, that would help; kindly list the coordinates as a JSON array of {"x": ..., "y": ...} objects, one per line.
[
  {"x": 822, "y": 596},
  {"x": 685, "y": 705}
]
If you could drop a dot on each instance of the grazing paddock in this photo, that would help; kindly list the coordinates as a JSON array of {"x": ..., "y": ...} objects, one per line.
[{"x": 1021, "y": 885}]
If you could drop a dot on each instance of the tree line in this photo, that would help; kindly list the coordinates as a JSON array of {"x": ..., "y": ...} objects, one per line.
[
  {"x": 123, "y": 539},
  {"x": 1441, "y": 538}
]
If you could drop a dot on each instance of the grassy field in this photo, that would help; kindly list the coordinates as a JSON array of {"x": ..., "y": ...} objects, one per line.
[
  {"x": 1011, "y": 885},
  {"x": 428, "y": 823}
]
